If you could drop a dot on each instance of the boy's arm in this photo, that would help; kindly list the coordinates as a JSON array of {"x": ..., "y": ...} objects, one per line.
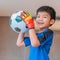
[
  {"x": 27, "y": 18},
  {"x": 33, "y": 38},
  {"x": 20, "y": 39}
]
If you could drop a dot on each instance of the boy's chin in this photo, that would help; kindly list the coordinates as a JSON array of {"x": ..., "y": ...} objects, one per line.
[{"x": 40, "y": 27}]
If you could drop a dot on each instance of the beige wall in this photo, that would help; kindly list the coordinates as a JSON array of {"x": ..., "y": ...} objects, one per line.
[
  {"x": 7, "y": 7},
  {"x": 9, "y": 50}
]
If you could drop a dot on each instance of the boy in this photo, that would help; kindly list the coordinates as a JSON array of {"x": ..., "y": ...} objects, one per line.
[{"x": 40, "y": 42}]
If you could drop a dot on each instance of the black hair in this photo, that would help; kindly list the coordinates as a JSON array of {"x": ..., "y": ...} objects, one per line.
[{"x": 47, "y": 9}]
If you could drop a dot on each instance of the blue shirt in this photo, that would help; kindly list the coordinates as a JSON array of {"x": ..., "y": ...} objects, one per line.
[{"x": 40, "y": 52}]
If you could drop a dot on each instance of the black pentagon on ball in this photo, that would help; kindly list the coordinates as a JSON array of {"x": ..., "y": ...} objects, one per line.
[
  {"x": 18, "y": 19},
  {"x": 17, "y": 29}
]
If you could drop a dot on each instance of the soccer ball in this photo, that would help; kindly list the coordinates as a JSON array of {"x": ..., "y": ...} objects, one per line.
[{"x": 17, "y": 24}]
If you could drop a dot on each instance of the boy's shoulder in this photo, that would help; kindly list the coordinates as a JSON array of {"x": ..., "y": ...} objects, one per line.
[
  {"x": 49, "y": 31},
  {"x": 46, "y": 31}
]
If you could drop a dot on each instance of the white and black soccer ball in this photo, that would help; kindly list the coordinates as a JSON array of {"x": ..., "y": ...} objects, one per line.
[{"x": 17, "y": 24}]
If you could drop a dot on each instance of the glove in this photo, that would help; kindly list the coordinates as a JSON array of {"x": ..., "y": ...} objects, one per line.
[{"x": 27, "y": 18}]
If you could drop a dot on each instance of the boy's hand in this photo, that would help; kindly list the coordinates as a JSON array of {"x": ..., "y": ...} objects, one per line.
[{"x": 27, "y": 19}]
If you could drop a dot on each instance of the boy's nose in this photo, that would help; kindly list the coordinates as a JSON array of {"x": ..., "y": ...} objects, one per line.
[{"x": 41, "y": 19}]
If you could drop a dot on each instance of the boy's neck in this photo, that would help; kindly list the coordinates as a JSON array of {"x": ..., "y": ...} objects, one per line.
[{"x": 41, "y": 30}]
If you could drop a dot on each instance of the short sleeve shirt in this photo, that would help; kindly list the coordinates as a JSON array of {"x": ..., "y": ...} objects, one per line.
[{"x": 40, "y": 52}]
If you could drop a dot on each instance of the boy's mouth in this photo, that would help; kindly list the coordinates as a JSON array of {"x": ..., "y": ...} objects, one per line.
[{"x": 40, "y": 23}]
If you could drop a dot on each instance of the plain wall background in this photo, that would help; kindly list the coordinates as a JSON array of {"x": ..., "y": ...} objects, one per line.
[{"x": 7, "y": 7}]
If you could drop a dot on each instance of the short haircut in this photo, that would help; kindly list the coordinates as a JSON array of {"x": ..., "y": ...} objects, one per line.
[{"x": 47, "y": 9}]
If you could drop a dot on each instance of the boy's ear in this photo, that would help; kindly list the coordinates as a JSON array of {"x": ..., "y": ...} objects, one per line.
[{"x": 52, "y": 21}]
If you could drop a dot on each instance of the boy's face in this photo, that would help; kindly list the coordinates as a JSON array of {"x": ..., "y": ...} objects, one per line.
[{"x": 44, "y": 20}]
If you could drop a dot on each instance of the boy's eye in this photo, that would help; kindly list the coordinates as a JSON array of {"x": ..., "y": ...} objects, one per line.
[{"x": 45, "y": 17}]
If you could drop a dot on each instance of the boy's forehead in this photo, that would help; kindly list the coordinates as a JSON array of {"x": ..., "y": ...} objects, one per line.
[{"x": 43, "y": 13}]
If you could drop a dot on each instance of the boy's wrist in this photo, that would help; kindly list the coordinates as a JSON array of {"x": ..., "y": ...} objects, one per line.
[{"x": 31, "y": 29}]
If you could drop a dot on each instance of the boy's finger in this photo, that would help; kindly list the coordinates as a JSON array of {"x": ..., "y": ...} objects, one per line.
[{"x": 24, "y": 13}]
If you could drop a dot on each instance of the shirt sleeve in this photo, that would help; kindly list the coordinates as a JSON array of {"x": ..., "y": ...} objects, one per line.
[
  {"x": 46, "y": 37},
  {"x": 47, "y": 40},
  {"x": 27, "y": 41}
]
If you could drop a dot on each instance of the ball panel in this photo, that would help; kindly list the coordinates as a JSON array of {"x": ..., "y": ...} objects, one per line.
[
  {"x": 17, "y": 29},
  {"x": 18, "y": 19}
]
